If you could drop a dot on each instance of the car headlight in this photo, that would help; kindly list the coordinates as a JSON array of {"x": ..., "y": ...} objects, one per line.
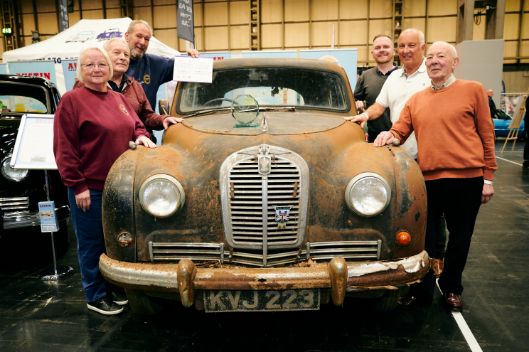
[
  {"x": 161, "y": 195},
  {"x": 367, "y": 194},
  {"x": 11, "y": 174}
]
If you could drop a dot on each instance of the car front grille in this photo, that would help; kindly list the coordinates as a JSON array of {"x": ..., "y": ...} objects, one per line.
[
  {"x": 14, "y": 205},
  {"x": 264, "y": 196},
  {"x": 264, "y": 191},
  {"x": 216, "y": 252},
  {"x": 246, "y": 205}
]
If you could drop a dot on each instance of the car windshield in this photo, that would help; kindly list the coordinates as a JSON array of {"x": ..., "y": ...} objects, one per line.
[
  {"x": 17, "y": 97},
  {"x": 272, "y": 87}
]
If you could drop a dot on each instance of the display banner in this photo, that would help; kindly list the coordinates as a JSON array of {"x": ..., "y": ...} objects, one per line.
[
  {"x": 185, "y": 20},
  {"x": 44, "y": 69},
  {"x": 217, "y": 55},
  {"x": 69, "y": 68}
]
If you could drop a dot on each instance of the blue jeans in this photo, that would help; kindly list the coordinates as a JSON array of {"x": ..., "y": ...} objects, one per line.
[{"x": 88, "y": 229}]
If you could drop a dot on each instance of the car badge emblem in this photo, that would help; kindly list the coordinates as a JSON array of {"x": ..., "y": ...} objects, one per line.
[
  {"x": 264, "y": 160},
  {"x": 282, "y": 216},
  {"x": 264, "y": 164}
]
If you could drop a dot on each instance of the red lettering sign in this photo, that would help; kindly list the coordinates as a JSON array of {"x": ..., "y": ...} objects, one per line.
[{"x": 46, "y": 75}]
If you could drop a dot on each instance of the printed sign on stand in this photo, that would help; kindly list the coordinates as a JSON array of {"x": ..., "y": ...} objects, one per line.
[{"x": 47, "y": 216}]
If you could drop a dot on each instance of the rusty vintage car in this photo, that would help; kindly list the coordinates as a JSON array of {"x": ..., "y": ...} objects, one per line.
[{"x": 264, "y": 198}]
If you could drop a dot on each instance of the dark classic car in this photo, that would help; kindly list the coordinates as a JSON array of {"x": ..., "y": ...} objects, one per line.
[
  {"x": 21, "y": 189},
  {"x": 264, "y": 198}
]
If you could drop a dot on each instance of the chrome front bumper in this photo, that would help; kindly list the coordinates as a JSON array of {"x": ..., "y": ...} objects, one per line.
[{"x": 337, "y": 275}]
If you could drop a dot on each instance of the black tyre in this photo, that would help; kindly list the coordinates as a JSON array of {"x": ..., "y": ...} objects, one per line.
[{"x": 141, "y": 304}]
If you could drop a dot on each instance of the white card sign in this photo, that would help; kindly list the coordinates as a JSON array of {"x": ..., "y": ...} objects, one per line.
[
  {"x": 34, "y": 143},
  {"x": 187, "y": 69}
]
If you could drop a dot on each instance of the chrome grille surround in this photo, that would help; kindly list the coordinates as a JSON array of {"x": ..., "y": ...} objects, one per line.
[
  {"x": 14, "y": 204},
  {"x": 175, "y": 251},
  {"x": 216, "y": 252},
  {"x": 254, "y": 183},
  {"x": 17, "y": 214}
]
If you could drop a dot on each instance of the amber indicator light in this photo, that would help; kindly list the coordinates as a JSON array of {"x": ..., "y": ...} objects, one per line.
[{"x": 403, "y": 238}]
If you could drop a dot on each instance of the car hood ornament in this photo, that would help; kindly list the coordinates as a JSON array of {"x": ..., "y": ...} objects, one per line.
[{"x": 264, "y": 160}]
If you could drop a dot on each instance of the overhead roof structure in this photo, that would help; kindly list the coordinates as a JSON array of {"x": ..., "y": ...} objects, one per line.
[{"x": 68, "y": 43}]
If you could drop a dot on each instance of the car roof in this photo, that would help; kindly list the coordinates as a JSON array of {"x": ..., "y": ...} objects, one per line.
[
  {"x": 318, "y": 64},
  {"x": 22, "y": 79}
]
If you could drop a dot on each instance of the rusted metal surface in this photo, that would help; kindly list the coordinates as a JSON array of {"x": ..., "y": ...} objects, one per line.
[
  {"x": 333, "y": 157},
  {"x": 338, "y": 277},
  {"x": 334, "y": 152},
  {"x": 185, "y": 274},
  {"x": 358, "y": 276}
]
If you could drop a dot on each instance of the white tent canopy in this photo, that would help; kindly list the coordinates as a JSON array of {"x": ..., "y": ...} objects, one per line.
[{"x": 68, "y": 43}]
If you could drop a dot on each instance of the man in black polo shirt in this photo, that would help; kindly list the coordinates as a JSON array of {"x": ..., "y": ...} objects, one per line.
[{"x": 371, "y": 81}]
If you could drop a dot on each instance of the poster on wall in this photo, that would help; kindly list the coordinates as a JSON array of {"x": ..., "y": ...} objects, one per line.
[{"x": 69, "y": 68}]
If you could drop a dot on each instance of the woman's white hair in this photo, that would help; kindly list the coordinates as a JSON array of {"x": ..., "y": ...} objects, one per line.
[{"x": 82, "y": 55}]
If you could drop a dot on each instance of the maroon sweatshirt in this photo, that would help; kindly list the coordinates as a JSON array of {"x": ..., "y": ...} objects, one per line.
[{"x": 91, "y": 130}]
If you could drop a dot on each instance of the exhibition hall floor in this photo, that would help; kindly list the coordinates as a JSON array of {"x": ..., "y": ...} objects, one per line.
[{"x": 37, "y": 315}]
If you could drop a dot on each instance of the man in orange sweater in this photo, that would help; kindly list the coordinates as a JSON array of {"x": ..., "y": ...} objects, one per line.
[{"x": 455, "y": 139}]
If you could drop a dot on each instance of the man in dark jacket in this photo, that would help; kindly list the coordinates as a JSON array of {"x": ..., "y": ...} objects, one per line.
[{"x": 150, "y": 70}]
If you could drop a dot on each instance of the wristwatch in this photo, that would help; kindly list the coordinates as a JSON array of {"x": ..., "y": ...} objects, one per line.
[{"x": 488, "y": 182}]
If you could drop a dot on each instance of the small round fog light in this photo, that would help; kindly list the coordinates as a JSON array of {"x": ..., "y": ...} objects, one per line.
[
  {"x": 125, "y": 239},
  {"x": 403, "y": 238}
]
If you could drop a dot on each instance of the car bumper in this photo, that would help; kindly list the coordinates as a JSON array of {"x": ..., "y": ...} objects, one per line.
[
  {"x": 337, "y": 275},
  {"x": 17, "y": 220}
]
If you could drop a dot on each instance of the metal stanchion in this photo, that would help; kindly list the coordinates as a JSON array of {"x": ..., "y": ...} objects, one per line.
[
  {"x": 60, "y": 271},
  {"x": 31, "y": 156}
]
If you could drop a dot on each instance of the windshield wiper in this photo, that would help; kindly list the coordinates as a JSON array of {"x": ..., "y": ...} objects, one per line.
[
  {"x": 200, "y": 112},
  {"x": 261, "y": 108},
  {"x": 277, "y": 108}
]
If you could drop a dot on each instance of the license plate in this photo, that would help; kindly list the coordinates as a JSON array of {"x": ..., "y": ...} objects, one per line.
[{"x": 237, "y": 301}]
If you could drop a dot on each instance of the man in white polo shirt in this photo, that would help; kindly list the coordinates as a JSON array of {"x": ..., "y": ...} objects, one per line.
[{"x": 402, "y": 83}]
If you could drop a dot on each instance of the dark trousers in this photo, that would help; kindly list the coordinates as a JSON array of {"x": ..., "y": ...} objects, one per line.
[
  {"x": 88, "y": 229},
  {"x": 459, "y": 201},
  {"x": 439, "y": 247}
]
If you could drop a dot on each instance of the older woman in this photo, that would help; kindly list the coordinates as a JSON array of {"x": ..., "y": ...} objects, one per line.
[
  {"x": 93, "y": 127},
  {"x": 119, "y": 53}
]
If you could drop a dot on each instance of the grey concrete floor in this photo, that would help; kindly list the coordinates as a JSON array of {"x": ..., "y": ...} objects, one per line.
[{"x": 40, "y": 316}]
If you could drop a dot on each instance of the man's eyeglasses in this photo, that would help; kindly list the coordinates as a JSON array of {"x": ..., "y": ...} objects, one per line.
[{"x": 91, "y": 67}]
